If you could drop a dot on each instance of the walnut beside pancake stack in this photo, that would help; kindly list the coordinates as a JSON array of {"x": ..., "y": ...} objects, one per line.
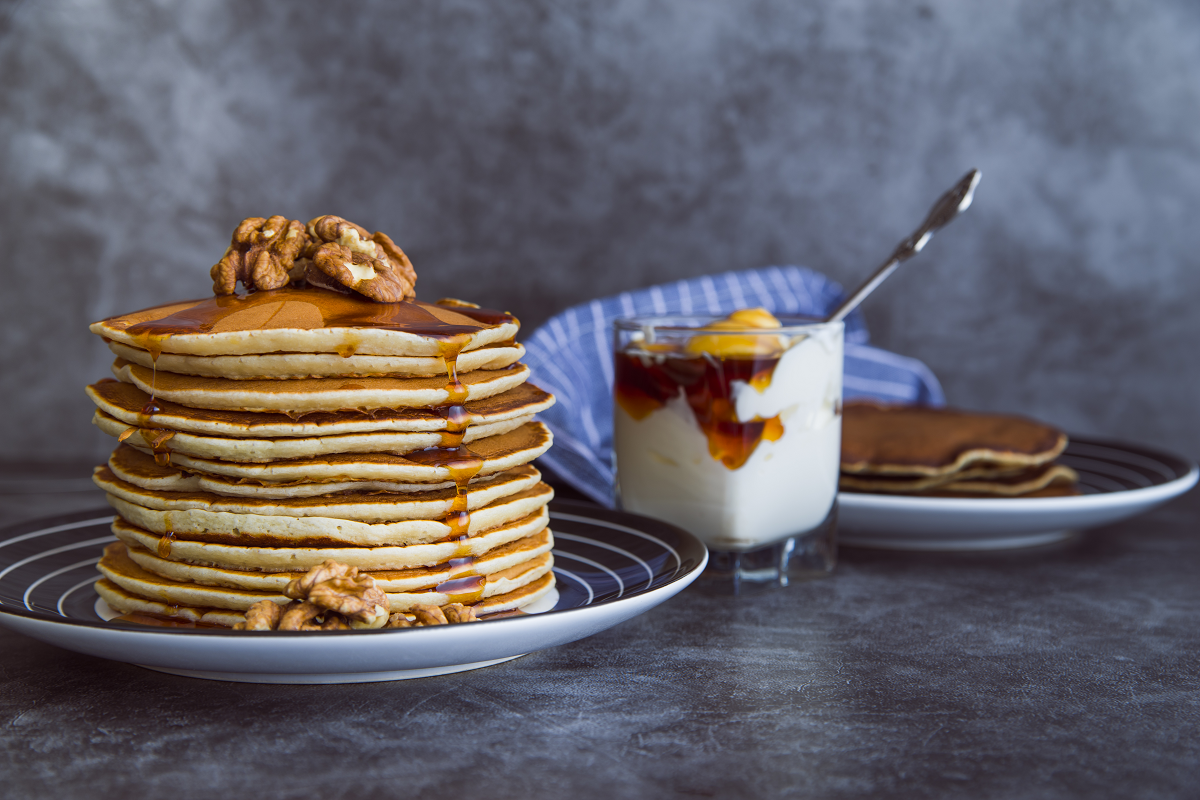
[
  {"x": 948, "y": 453},
  {"x": 324, "y": 415}
]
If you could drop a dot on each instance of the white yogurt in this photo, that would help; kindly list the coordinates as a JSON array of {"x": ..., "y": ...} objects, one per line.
[{"x": 786, "y": 487}]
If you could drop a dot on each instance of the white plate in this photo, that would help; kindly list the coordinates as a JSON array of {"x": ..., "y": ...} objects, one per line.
[
  {"x": 1118, "y": 480},
  {"x": 610, "y": 566}
]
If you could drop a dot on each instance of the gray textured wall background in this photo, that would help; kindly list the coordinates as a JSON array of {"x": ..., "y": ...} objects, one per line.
[{"x": 536, "y": 154}]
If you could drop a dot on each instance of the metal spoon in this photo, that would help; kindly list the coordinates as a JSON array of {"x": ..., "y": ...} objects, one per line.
[{"x": 948, "y": 206}]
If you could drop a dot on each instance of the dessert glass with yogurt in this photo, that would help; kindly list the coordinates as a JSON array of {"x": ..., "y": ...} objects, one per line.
[{"x": 731, "y": 429}]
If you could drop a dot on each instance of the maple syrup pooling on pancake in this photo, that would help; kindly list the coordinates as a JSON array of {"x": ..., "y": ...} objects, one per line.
[{"x": 345, "y": 311}]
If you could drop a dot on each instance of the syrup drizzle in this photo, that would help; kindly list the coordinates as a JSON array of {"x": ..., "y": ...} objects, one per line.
[
  {"x": 643, "y": 384},
  {"x": 463, "y": 586},
  {"x": 164, "y": 542}
]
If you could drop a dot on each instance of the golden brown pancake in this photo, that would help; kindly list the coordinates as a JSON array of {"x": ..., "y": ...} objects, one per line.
[
  {"x": 967, "y": 482},
  {"x": 920, "y": 441},
  {"x": 237, "y": 528},
  {"x": 126, "y": 402},
  {"x": 318, "y": 365},
  {"x": 285, "y": 448},
  {"x": 314, "y": 394},
  {"x": 140, "y": 469},
  {"x": 277, "y": 555},
  {"x": 499, "y": 453},
  {"x": 306, "y": 321},
  {"x": 359, "y": 506},
  {"x": 412, "y": 579}
]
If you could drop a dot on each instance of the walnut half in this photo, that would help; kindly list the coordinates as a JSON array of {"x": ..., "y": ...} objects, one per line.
[
  {"x": 331, "y": 596},
  {"x": 372, "y": 265},
  {"x": 261, "y": 255}
]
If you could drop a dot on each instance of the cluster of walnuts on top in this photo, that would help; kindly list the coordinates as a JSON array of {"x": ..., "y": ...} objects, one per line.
[{"x": 330, "y": 252}]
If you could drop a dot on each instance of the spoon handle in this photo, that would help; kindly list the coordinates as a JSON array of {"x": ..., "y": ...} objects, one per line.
[{"x": 948, "y": 206}]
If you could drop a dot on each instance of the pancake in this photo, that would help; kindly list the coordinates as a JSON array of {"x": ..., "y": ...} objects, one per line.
[
  {"x": 965, "y": 483},
  {"x": 307, "y": 321},
  {"x": 125, "y": 402},
  {"x": 413, "y": 579},
  {"x": 141, "y": 470},
  {"x": 424, "y": 466},
  {"x": 317, "y": 365},
  {"x": 867, "y": 482},
  {"x": 118, "y": 567},
  {"x": 265, "y": 450},
  {"x": 315, "y": 531},
  {"x": 126, "y": 588},
  {"x": 360, "y": 506},
  {"x": 1024, "y": 484},
  {"x": 919, "y": 441},
  {"x": 314, "y": 394},
  {"x": 278, "y": 556}
]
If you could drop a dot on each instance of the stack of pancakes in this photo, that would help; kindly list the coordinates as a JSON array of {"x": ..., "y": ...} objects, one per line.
[
  {"x": 947, "y": 453},
  {"x": 262, "y": 434}
]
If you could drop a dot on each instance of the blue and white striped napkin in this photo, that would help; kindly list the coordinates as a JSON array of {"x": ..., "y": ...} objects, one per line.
[{"x": 571, "y": 357}]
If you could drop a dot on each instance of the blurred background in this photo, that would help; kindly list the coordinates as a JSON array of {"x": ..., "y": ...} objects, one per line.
[{"x": 534, "y": 155}]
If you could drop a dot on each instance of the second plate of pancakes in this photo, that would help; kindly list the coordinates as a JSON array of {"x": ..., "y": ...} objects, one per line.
[{"x": 1117, "y": 480}]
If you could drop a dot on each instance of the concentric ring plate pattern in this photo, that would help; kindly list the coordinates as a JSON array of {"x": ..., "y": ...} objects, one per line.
[
  {"x": 609, "y": 565},
  {"x": 1116, "y": 479}
]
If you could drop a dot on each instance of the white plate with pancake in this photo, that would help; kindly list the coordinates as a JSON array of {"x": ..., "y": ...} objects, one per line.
[
  {"x": 610, "y": 566},
  {"x": 1117, "y": 480}
]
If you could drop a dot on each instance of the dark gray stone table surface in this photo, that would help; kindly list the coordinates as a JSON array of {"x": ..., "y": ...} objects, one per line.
[{"x": 1068, "y": 671}]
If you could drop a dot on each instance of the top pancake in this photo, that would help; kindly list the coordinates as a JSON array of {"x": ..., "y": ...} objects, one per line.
[
  {"x": 912, "y": 440},
  {"x": 307, "y": 320}
]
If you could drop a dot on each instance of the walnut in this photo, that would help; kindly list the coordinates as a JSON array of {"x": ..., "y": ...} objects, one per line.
[
  {"x": 340, "y": 588},
  {"x": 299, "y": 588},
  {"x": 429, "y": 615},
  {"x": 299, "y": 616},
  {"x": 372, "y": 265},
  {"x": 262, "y": 616},
  {"x": 262, "y": 255},
  {"x": 357, "y": 599},
  {"x": 335, "y": 596},
  {"x": 457, "y": 612}
]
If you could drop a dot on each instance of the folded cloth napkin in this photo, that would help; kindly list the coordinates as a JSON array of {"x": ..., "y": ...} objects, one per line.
[{"x": 571, "y": 356}]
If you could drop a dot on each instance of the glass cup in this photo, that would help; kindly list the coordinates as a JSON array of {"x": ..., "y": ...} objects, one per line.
[{"x": 733, "y": 434}]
